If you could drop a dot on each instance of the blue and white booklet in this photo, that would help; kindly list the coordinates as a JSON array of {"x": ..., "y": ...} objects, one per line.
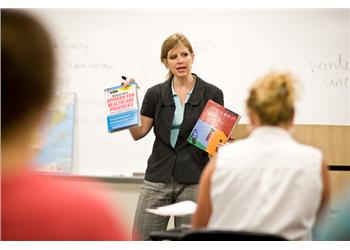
[{"x": 122, "y": 107}]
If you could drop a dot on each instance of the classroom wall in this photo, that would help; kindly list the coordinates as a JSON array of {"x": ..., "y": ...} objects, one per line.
[{"x": 124, "y": 196}]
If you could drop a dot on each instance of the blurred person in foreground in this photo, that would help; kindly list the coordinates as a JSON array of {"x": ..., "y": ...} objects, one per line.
[
  {"x": 336, "y": 227},
  {"x": 34, "y": 206}
]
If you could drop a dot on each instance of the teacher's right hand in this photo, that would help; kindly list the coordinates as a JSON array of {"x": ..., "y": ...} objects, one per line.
[{"x": 128, "y": 81}]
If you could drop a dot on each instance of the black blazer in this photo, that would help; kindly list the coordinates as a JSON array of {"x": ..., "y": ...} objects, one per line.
[{"x": 185, "y": 162}]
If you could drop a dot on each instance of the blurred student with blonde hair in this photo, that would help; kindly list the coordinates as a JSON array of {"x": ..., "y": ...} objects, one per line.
[{"x": 268, "y": 182}]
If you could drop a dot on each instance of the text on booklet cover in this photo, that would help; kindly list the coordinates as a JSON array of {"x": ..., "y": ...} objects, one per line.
[{"x": 122, "y": 107}]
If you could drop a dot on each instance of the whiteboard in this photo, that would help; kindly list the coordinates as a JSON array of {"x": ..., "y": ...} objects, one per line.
[{"x": 232, "y": 48}]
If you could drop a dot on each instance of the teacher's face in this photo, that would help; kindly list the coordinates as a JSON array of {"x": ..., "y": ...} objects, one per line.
[{"x": 179, "y": 61}]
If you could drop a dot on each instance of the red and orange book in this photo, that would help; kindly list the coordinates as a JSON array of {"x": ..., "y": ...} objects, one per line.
[{"x": 215, "y": 125}]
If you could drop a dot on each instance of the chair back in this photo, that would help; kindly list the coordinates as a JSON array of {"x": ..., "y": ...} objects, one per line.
[{"x": 224, "y": 235}]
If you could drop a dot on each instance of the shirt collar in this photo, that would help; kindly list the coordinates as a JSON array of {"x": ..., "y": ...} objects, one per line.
[
  {"x": 270, "y": 131},
  {"x": 196, "y": 94},
  {"x": 173, "y": 90}
]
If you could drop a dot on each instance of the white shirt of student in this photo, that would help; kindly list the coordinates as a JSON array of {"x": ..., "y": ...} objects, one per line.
[{"x": 267, "y": 183}]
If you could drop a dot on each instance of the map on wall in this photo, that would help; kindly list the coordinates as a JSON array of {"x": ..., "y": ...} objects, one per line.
[{"x": 55, "y": 140}]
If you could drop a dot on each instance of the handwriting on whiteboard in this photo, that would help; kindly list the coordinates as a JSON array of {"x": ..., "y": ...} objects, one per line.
[{"x": 335, "y": 71}]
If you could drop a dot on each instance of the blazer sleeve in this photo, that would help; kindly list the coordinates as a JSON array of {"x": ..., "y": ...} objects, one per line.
[
  {"x": 219, "y": 97},
  {"x": 149, "y": 103}
]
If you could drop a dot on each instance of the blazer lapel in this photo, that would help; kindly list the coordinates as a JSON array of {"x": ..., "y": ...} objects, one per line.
[
  {"x": 167, "y": 110},
  {"x": 190, "y": 116}
]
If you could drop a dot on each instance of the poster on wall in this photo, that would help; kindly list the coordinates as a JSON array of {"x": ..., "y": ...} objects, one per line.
[{"x": 54, "y": 143}]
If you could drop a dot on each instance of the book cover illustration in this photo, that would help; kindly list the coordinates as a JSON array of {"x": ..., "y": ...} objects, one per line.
[
  {"x": 215, "y": 125},
  {"x": 122, "y": 107}
]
